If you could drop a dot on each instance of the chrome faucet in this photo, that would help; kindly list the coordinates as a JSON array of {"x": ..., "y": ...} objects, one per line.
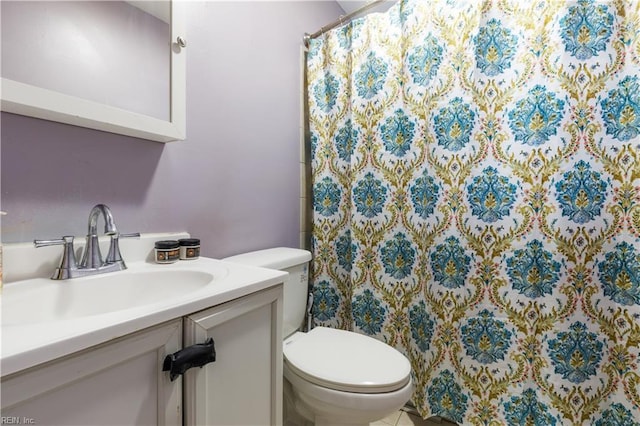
[
  {"x": 92, "y": 262},
  {"x": 92, "y": 258}
]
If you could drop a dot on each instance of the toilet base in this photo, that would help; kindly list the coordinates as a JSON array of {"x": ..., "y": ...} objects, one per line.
[
  {"x": 324, "y": 422},
  {"x": 293, "y": 412}
]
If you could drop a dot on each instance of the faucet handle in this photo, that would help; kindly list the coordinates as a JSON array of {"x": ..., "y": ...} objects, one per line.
[
  {"x": 68, "y": 261},
  {"x": 57, "y": 242},
  {"x": 114, "y": 255},
  {"x": 131, "y": 235}
]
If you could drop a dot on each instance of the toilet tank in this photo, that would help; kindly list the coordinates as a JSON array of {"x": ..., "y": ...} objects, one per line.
[{"x": 296, "y": 263}]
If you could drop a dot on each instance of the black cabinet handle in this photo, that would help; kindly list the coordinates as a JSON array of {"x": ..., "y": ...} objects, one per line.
[{"x": 197, "y": 355}]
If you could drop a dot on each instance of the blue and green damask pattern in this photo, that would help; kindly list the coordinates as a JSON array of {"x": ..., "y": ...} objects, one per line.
[
  {"x": 536, "y": 117},
  {"x": 325, "y": 301},
  {"x": 424, "y": 195},
  {"x": 586, "y": 29},
  {"x": 447, "y": 398},
  {"x": 532, "y": 271},
  {"x": 491, "y": 195},
  {"x": 617, "y": 415},
  {"x": 453, "y": 125},
  {"x": 345, "y": 141},
  {"x": 485, "y": 338},
  {"x": 424, "y": 60},
  {"x": 476, "y": 202},
  {"x": 369, "y": 196},
  {"x": 397, "y": 133},
  {"x": 421, "y": 325},
  {"x": 326, "y": 197},
  {"x": 576, "y": 354},
  {"x": 450, "y": 264},
  {"x": 621, "y": 109},
  {"x": 326, "y": 93},
  {"x": 398, "y": 256},
  {"x": 619, "y": 274},
  {"x": 368, "y": 311},
  {"x": 581, "y": 193},
  {"x": 495, "y": 48},
  {"x": 370, "y": 78},
  {"x": 527, "y": 410}
]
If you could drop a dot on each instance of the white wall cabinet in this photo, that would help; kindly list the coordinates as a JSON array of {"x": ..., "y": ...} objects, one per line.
[{"x": 121, "y": 382}]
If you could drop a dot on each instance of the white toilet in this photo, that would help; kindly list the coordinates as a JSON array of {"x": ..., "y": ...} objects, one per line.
[{"x": 333, "y": 377}]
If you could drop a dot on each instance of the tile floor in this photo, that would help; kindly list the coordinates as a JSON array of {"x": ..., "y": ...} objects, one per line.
[{"x": 403, "y": 418}]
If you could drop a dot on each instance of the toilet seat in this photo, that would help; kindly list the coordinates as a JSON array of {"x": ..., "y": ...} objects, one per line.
[{"x": 346, "y": 361}]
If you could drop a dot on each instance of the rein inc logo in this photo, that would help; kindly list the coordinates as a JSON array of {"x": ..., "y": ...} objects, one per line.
[{"x": 17, "y": 420}]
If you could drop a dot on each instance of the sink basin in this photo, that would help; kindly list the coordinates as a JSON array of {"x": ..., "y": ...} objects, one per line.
[
  {"x": 44, "y": 319},
  {"x": 42, "y": 300}
]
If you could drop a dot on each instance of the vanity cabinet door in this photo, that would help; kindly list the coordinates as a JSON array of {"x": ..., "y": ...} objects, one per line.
[
  {"x": 117, "y": 383},
  {"x": 244, "y": 385}
]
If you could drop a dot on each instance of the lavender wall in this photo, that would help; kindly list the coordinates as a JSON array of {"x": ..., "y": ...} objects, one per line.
[{"x": 234, "y": 182}]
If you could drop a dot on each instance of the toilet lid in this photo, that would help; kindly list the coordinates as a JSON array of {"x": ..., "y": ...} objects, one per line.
[{"x": 347, "y": 361}]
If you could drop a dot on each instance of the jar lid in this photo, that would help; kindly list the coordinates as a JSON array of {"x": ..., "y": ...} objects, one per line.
[
  {"x": 189, "y": 242},
  {"x": 167, "y": 244}
]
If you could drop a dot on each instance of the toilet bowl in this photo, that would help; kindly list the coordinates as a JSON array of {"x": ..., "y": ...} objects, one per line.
[
  {"x": 332, "y": 377},
  {"x": 344, "y": 378}
]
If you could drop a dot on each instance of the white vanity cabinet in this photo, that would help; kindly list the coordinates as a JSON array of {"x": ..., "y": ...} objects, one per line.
[
  {"x": 121, "y": 382},
  {"x": 244, "y": 385},
  {"x": 117, "y": 383}
]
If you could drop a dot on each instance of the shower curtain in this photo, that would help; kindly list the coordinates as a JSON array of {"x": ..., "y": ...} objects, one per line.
[{"x": 476, "y": 202}]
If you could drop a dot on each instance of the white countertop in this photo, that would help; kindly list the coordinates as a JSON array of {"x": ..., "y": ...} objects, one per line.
[{"x": 26, "y": 345}]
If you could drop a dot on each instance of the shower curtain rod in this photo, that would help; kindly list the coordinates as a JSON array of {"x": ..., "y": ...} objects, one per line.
[{"x": 343, "y": 19}]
